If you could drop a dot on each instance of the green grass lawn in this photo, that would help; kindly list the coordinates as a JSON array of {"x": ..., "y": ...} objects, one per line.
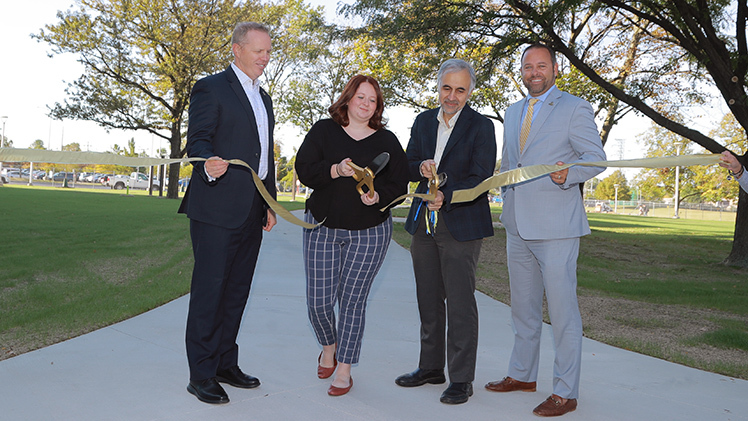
[
  {"x": 663, "y": 261},
  {"x": 74, "y": 260}
]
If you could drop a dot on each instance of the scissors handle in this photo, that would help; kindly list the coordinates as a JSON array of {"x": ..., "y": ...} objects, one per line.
[{"x": 364, "y": 176}]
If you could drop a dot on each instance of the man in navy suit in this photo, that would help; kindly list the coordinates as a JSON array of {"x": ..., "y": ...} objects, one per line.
[
  {"x": 447, "y": 238},
  {"x": 544, "y": 219},
  {"x": 231, "y": 117}
]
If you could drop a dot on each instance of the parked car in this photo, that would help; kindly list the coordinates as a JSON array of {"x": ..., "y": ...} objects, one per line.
[
  {"x": 134, "y": 181},
  {"x": 60, "y": 176},
  {"x": 13, "y": 173},
  {"x": 91, "y": 177},
  {"x": 4, "y": 176}
]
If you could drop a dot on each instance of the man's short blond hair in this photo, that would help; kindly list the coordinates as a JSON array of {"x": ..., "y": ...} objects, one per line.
[{"x": 241, "y": 29}]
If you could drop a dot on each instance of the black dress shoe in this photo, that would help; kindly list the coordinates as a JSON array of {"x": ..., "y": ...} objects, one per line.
[
  {"x": 208, "y": 391},
  {"x": 421, "y": 377},
  {"x": 235, "y": 377},
  {"x": 457, "y": 393}
]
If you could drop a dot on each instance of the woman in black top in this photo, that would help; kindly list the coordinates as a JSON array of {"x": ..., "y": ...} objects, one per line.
[{"x": 344, "y": 254}]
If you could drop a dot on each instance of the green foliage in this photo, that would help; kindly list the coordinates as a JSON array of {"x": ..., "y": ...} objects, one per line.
[
  {"x": 731, "y": 134},
  {"x": 606, "y": 189},
  {"x": 403, "y": 44},
  {"x": 309, "y": 65},
  {"x": 37, "y": 144},
  {"x": 141, "y": 59},
  {"x": 696, "y": 184}
]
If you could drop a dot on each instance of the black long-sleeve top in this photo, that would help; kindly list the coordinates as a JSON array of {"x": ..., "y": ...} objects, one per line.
[{"x": 337, "y": 201}]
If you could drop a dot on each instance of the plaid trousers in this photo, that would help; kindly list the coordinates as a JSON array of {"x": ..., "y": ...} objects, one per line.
[{"x": 340, "y": 266}]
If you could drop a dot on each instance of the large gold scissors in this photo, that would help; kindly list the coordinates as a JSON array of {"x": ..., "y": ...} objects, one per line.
[
  {"x": 436, "y": 181},
  {"x": 365, "y": 176}
]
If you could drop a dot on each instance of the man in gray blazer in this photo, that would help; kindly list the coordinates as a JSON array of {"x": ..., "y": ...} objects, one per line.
[
  {"x": 544, "y": 219},
  {"x": 447, "y": 238}
]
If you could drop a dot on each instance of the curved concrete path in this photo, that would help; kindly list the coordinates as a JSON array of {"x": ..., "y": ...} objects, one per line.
[{"x": 137, "y": 369}]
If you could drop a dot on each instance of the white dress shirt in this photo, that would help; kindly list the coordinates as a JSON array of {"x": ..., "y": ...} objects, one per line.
[
  {"x": 443, "y": 133},
  {"x": 252, "y": 89}
]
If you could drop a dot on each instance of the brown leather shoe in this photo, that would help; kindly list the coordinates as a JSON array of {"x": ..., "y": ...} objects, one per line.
[
  {"x": 552, "y": 407},
  {"x": 340, "y": 391},
  {"x": 508, "y": 384},
  {"x": 325, "y": 372}
]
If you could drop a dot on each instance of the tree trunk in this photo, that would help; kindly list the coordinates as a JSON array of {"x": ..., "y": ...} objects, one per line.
[
  {"x": 176, "y": 152},
  {"x": 739, "y": 254},
  {"x": 173, "y": 191}
]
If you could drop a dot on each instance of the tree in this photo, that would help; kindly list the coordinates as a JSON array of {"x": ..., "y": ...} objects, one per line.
[
  {"x": 301, "y": 76},
  {"x": 37, "y": 144},
  {"x": 141, "y": 58},
  {"x": 680, "y": 48},
  {"x": 484, "y": 33},
  {"x": 606, "y": 189}
]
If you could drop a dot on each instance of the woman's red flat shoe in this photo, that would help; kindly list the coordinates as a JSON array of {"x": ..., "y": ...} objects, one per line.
[
  {"x": 325, "y": 372},
  {"x": 340, "y": 391}
]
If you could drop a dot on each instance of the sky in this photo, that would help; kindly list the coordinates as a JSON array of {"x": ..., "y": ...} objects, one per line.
[{"x": 31, "y": 82}]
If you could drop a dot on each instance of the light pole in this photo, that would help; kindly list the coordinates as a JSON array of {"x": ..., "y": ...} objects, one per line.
[
  {"x": 615, "y": 205},
  {"x": 3, "y": 118},
  {"x": 676, "y": 196}
]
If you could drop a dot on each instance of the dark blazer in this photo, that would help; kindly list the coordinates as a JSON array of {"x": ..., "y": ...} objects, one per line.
[
  {"x": 223, "y": 124},
  {"x": 469, "y": 158}
]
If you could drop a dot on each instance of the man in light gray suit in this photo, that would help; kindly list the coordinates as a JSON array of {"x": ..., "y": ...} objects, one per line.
[{"x": 544, "y": 219}]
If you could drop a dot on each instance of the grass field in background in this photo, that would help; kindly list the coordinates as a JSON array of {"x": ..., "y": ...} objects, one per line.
[{"x": 74, "y": 260}]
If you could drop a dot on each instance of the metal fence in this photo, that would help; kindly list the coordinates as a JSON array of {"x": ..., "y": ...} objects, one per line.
[{"x": 705, "y": 211}]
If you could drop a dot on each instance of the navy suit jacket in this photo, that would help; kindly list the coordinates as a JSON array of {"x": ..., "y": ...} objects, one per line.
[
  {"x": 469, "y": 158},
  {"x": 223, "y": 124}
]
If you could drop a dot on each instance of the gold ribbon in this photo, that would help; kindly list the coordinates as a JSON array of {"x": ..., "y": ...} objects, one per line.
[
  {"x": 64, "y": 157},
  {"x": 531, "y": 172},
  {"x": 459, "y": 196}
]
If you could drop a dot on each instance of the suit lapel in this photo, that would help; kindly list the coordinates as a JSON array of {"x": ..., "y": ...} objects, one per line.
[
  {"x": 242, "y": 96},
  {"x": 463, "y": 122},
  {"x": 269, "y": 108},
  {"x": 432, "y": 131}
]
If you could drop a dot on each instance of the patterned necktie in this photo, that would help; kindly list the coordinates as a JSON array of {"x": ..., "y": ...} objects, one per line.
[{"x": 526, "y": 123}]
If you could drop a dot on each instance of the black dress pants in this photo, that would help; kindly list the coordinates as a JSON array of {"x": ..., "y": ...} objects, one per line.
[{"x": 225, "y": 261}]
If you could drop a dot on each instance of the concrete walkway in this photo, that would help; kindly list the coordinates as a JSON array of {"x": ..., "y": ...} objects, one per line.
[{"x": 137, "y": 369}]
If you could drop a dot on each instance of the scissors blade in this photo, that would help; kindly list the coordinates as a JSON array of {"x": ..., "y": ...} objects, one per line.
[{"x": 378, "y": 163}]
